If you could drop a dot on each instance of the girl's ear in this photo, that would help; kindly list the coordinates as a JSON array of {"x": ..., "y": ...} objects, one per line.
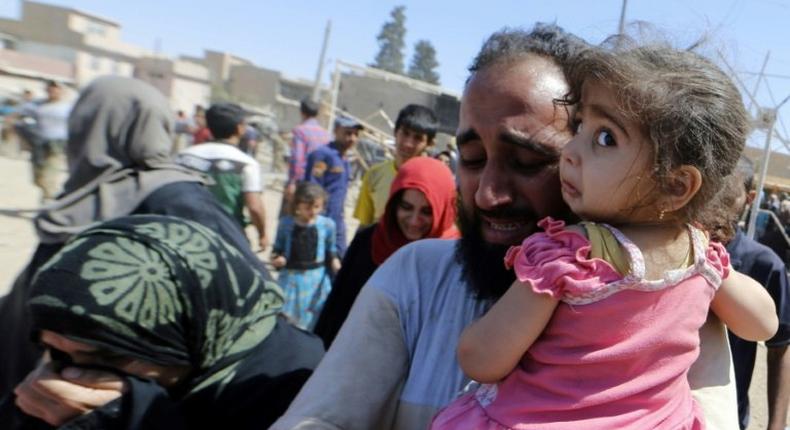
[{"x": 684, "y": 183}]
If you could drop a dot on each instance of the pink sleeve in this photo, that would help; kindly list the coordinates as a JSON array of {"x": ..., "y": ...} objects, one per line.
[
  {"x": 719, "y": 259},
  {"x": 556, "y": 262}
]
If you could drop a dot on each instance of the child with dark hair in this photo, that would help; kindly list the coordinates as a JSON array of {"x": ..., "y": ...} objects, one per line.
[
  {"x": 415, "y": 129},
  {"x": 602, "y": 324},
  {"x": 304, "y": 250}
]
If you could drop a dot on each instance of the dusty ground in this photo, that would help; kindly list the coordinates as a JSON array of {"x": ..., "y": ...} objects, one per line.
[{"x": 17, "y": 242}]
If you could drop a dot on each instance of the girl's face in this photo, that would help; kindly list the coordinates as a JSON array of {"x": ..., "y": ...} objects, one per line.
[
  {"x": 305, "y": 212},
  {"x": 414, "y": 214},
  {"x": 83, "y": 354},
  {"x": 605, "y": 169}
]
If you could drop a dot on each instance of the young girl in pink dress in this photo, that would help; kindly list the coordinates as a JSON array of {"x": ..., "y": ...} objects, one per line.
[{"x": 601, "y": 326}]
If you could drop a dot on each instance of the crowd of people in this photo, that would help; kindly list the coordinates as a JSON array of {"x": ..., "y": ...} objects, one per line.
[{"x": 577, "y": 261}]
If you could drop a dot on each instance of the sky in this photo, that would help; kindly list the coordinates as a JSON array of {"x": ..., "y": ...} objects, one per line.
[{"x": 287, "y": 35}]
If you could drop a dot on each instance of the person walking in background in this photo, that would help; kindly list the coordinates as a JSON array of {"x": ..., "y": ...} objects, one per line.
[
  {"x": 421, "y": 206},
  {"x": 304, "y": 249},
  {"x": 329, "y": 167},
  {"x": 306, "y": 138},
  {"x": 200, "y": 132},
  {"x": 237, "y": 176},
  {"x": 182, "y": 131},
  {"x": 51, "y": 117},
  {"x": 415, "y": 129}
]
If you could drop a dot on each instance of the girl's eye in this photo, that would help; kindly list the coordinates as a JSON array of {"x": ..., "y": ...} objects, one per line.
[{"x": 605, "y": 138}]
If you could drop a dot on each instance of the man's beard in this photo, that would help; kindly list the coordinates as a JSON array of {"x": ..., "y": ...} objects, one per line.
[{"x": 484, "y": 263}]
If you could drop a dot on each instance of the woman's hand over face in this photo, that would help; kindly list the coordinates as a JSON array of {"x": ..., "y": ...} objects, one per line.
[{"x": 60, "y": 397}]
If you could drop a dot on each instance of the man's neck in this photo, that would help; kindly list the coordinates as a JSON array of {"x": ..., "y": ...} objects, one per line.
[
  {"x": 232, "y": 141},
  {"x": 339, "y": 148}
]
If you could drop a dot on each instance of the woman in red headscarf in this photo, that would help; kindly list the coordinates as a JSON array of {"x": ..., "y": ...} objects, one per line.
[{"x": 421, "y": 205}]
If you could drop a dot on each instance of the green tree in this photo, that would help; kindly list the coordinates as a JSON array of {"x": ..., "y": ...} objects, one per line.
[
  {"x": 423, "y": 63},
  {"x": 391, "y": 42}
]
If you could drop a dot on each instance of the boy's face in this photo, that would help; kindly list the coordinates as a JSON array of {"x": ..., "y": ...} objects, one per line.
[
  {"x": 308, "y": 211},
  {"x": 408, "y": 144}
]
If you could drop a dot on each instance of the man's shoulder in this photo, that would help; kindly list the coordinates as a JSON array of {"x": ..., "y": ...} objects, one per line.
[
  {"x": 753, "y": 253},
  {"x": 321, "y": 151},
  {"x": 424, "y": 265},
  {"x": 382, "y": 167},
  {"x": 216, "y": 150}
]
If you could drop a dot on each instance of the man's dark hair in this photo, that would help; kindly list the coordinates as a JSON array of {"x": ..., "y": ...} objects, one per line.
[
  {"x": 547, "y": 40},
  {"x": 223, "y": 119},
  {"x": 53, "y": 83},
  {"x": 418, "y": 118},
  {"x": 308, "y": 107}
]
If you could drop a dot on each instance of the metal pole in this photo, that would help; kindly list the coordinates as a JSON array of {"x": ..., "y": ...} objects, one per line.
[
  {"x": 335, "y": 90},
  {"x": 621, "y": 28},
  {"x": 759, "y": 78},
  {"x": 763, "y": 171},
  {"x": 320, "y": 71}
]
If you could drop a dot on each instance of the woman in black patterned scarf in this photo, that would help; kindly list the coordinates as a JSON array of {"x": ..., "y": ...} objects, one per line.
[{"x": 177, "y": 313}]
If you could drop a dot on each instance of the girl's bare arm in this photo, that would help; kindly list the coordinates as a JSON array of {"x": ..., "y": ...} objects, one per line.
[
  {"x": 491, "y": 347},
  {"x": 745, "y": 307}
]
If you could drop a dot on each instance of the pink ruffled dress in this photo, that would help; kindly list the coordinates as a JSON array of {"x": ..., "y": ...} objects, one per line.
[{"x": 616, "y": 352}]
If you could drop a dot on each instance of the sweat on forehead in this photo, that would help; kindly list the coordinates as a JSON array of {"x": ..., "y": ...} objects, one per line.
[{"x": 516, "y": 101}]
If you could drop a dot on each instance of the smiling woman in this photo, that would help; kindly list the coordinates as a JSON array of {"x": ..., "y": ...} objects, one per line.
[{"x": 421, "y": 205}]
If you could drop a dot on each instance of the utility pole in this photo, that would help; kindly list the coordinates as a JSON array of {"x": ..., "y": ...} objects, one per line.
[
  {"x": 320, "y": 71},
  {"x": 621, "y": 28}
]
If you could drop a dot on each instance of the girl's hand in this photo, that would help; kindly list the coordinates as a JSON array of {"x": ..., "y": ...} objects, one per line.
[
  {"x": 59, "y": 398},
  {"x": 278, "y": 262},
  {"x": 335, "y": 265}
]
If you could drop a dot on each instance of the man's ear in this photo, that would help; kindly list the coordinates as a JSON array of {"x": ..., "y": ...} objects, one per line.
[{"x": 684, "y": 183}]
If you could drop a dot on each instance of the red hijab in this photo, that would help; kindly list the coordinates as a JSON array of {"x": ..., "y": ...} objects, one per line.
[{"x": 432, "y": 178}]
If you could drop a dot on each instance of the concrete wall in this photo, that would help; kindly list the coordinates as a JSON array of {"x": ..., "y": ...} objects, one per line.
[
  {"x": 157, "y": 72},
  {"x": 184, "y": 83},
  {"x": 187, "y": 93},
  {"x": 253, "y": 85},
  {"x": 363, "y": 96},
  {"x": 89, "y": 66}
]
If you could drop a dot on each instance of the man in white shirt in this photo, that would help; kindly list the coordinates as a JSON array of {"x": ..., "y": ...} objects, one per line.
[{"x": 237, "y": 176}]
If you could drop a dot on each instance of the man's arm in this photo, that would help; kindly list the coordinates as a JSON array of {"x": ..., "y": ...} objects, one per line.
[
  {"x": 778, "y": 358},
  {"x": 298, "y": 158},
  {"x": 254, "y": 204},
  {"x": 778, "y": 386},
  {"x": 364, "y": 209},
  {"x": 357, "y": 384}
]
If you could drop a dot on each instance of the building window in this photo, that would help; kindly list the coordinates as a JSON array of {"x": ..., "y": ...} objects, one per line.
[
  {"x": 95, "y": 28},
  {"x": 95, "y": 63}
]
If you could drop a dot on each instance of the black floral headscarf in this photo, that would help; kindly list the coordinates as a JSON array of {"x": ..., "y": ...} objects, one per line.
[{"x": 160, "y": 289}]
